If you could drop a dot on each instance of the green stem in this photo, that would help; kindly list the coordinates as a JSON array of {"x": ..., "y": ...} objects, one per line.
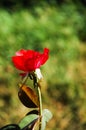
[
  {"x": 40, "y": 107},
  {"x": 24, "y": 80}
]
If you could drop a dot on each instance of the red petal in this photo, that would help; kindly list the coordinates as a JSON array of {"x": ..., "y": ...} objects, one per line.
[
  {"x": 18, "y": 62},
  {"x": 29, "y": 60},
  {"x": 44, "y": 57},
  {"x": 30, "y": 64},
  {"x": 21, "y": 52}
]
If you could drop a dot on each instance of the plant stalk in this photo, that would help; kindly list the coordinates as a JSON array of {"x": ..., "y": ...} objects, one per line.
[{"x": 40, "y": 108}]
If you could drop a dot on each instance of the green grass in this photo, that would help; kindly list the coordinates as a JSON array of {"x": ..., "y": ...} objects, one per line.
[{"x": 56, "y": 29}]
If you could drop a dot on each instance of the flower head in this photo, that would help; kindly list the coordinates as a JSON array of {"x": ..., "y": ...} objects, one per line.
[{"x": 30, "y": 60}]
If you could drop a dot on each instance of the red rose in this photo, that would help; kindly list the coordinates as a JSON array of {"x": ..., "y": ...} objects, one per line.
[{"x": 29, "y": 60}]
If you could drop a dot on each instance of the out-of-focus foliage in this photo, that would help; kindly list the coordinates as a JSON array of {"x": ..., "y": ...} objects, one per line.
[{"x": 61, "y": 29}]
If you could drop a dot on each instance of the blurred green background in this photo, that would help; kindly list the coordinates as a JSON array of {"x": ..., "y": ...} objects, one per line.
[{"x": 59, "y": 25}]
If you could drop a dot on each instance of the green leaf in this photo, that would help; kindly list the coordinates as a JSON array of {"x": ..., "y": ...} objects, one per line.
[
  {"x": 32, "y": 112},
  {"x": 47, "y": 115},
  {"x": 28, "y": 120},
  {"x": 10, "y": 127},
  {"x": 28, "y": 97}
]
